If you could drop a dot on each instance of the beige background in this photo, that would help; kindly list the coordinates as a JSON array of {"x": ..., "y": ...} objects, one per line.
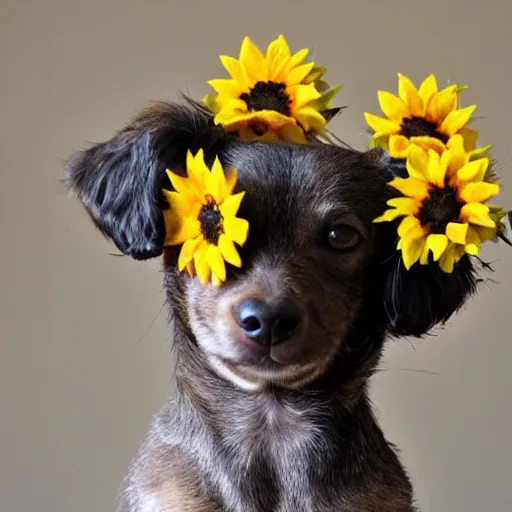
[{"x": 82, "y": 365}]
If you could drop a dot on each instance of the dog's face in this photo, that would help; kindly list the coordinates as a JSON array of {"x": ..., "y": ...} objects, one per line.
[
  {"x": 320, "y": 284},
  {"x": 307, "y": 265}
]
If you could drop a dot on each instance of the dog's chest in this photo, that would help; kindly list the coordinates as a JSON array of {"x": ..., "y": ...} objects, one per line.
[{"x": 279, "y": 460}]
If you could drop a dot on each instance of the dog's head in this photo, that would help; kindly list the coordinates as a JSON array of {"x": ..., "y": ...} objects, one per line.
[{"x": 321, "y": 284}]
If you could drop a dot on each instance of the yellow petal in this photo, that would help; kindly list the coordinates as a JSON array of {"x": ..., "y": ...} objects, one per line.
[
  {"x": 411, "y": 187},
  {"x": 399, "y": 146},
  {"x": 472, "y": 249},
  {"x": 411, "y": 251},
  {"x": 424, "y": 255},
  {"x": 382, "y": 125},
  {"x": 311, "y": 120},
  {"x": 409, "y": 95},
  {"x": 216, "y": 184},
  {"x": 183, "y": 205},
  {"x": 456, "y": 120},
  {"x": 436, "y": 170},
  {"x": 228, "y": 251},
  {"x": 456, "y": 155},
  {"x": 411, "y": 229},
  {"x": 298, "y": 58},
  {"x": 474, "y": 171},
  {"x": 417, "y": 164},
  {"x": 269, "y": 118},
  {"x": 437, "y": 243},
  {"x": 201, "y": 266},
  {"x": 227, "y": 87},
  {"x": 214, "y": 259},
  {"x": 405, "y": 205},
  {"x": 236, "y": 229},
  {"x": 477, "y": 213},
  {"x": 441, "y": 104},
  {"x": 196, "y": 168},
  {"x": 304, "y": 94},
  {"x": 394, "y": 108},
  {"x": 479, "y": 192},
  {"x": 215, "y": 280},
  {"x": 234, "y": 68},
  {"x": 230, "y": 206},
  {"x": 388, "y": 216},
  {"x": 253, "y": 63},
  {"x": 447, "y": 260},
  {"x": 231, "y": 178},
  {"x": 427, "y": 89},
  {"x": 278, "y": 57},
  {"x": 229, "y": 107},
  {"x": 380, "y": 139},
  {"x": 292, "y": 133},
  {"x": 187, "y": 229},
  {"x": 408, "y": 223},
  {"x": 184, "y": 185},
  {"x": 426, "y": 143},
  {"x": 457, "y": 232},
  {"x": 188, "y": 250},
  {"x": 456, "y": 143},
  {"x": 297, "y": 75}
]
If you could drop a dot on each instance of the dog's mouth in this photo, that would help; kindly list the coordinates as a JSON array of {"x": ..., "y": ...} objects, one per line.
[{"x": 266, "y": 373}]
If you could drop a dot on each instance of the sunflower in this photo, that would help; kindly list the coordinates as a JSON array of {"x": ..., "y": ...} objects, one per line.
[
  {"x": 443, "y": 206},
  {"x": 202, "y": 217},
  {"x": 271, "y": 97},
  {"x": 424, "y": 117}
]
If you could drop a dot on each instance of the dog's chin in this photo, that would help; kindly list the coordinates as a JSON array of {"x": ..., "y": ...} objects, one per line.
[{"x": 258, "y": 378}]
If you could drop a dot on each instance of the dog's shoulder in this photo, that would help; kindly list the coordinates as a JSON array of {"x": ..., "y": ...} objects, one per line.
[{"x": 162, "y": 477}]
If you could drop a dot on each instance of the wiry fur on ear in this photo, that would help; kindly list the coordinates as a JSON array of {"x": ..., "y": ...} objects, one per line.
[
  {"x": 418, "y": 299},
  {"x": 120, "y": 181}
]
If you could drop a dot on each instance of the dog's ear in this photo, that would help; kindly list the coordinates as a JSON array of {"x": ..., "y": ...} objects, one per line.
[
  {"x": 418, "y": 299},
  {"x": 120, "y": 181}
]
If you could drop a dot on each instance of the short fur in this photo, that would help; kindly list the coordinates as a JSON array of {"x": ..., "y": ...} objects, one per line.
[{"x": 246, "y": 434}]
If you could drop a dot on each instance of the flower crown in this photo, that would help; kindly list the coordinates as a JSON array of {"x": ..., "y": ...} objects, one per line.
[{"x": 441, "y": 198}]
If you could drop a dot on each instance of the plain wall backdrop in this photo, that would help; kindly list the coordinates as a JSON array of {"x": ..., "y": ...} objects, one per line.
[{"x": 83, "y": 362}]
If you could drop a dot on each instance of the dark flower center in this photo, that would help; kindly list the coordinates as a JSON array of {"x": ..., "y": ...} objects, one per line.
[
  {"x": 420, "y": 127},
  {"x": 268, "y": 96},
  {"x": 440, "y": 208},
  {"x": 211, "y": 219}
]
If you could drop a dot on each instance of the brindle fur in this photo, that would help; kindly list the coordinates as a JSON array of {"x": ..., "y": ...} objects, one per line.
[{"x": 260, "y": 440}]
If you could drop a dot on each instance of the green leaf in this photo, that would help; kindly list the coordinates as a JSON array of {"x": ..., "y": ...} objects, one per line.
[
  {"x": 480, "y": 152},
  {"x": 461, "y": 88},
  {"x": 323, "y": 103},
  {"x": 314, "y": 75},
  {"x": 210, "y": 100},
  {"x": 322, "y": 86}
]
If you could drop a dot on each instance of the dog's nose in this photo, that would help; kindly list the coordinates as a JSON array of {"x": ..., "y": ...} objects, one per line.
[{"x": 269, "y": 324}]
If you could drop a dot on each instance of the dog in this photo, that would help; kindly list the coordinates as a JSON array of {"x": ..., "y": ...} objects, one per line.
[{"x": 272, "y": 411}]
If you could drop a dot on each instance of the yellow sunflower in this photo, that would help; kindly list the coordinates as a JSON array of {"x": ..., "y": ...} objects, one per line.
[
  {"x": 443, "y": 206},
  {"x": 424, "y": 117},
  {"x": 271, "y": 97},
  {"x": 202, "y": 217}
]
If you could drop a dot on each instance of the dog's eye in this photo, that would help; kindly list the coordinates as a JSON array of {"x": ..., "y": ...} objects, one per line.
[{"x": 343, "y": 237}]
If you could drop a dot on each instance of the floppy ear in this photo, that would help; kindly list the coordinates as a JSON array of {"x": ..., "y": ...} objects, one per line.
[
  {"x": 120, "y": 181},
  {"x": 418, "y": 299}
]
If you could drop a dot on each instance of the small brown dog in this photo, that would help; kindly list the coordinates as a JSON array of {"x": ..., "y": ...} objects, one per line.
[{"x": 272, "y": 412}]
